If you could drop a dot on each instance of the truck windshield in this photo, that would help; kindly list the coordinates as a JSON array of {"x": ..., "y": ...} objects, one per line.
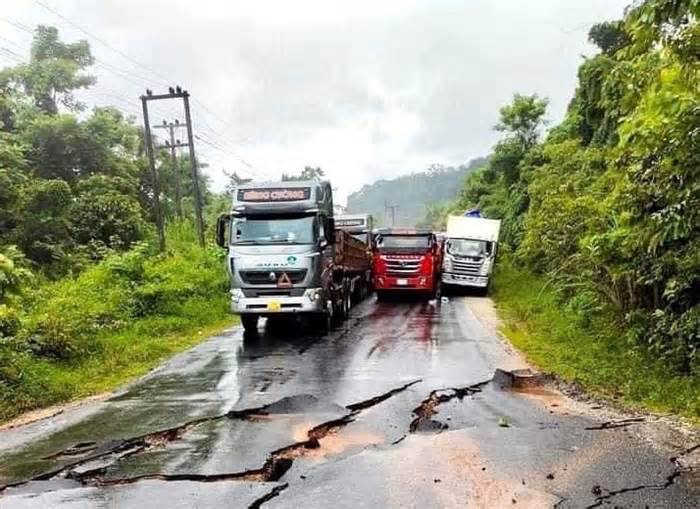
[
  {"x": 273, "y": 230},
  {"x": 403, "y": 242},
  {"x": 466, "y": 247}
]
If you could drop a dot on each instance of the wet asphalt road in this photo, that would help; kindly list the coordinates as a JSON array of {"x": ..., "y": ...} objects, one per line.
[{"x": 396, "y": 408}]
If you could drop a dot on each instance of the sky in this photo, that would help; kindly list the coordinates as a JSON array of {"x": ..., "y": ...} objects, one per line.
[{"x": 366, "y": 89}]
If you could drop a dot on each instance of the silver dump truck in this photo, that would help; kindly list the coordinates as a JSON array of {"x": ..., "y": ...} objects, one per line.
[
  {"x": 470, "y": 248},
  {"x": 285, "y": 255},
  {"x": 358, "y": 225}
]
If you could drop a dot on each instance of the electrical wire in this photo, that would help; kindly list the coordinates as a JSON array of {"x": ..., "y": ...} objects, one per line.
[
  {"x": 139, "y": 80},
  {"x": 166, "y": 81}
]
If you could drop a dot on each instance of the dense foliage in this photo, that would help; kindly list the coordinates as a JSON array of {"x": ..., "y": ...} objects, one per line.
[
  {"x": 80, "y": 284},
  {"x": 413, "y": 194},
  {"x": 608, "y": 204}
]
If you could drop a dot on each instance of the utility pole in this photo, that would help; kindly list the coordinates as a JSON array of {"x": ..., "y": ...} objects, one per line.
[
  {"x": 176, "y": 93},
  {"x": 393, "y": 211},
  {"x": 193, "y": 163},
  {"x": 171, "y": 126},
  {"x": 160, "y": 224}
]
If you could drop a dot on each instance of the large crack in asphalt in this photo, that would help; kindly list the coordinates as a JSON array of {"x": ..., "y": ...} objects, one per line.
[
  {"x": 99, "y": 458},
  {"x": 427, "y": 409},
  {"x": 96, "y": 459}
]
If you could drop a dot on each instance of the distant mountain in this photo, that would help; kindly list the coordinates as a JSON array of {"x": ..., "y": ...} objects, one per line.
[{"x": 411, "y": 194}]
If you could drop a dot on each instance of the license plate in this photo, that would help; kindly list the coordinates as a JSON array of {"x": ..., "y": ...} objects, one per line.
[
  {"x": 274, "y": 305},
  {"x": 402, "y": 282}
]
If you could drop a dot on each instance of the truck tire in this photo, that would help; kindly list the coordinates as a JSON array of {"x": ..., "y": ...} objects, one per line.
[{"x": 250, "y": 323}]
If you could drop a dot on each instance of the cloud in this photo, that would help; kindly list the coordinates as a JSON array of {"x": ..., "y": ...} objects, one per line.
[{"x": 365, "y": 89}]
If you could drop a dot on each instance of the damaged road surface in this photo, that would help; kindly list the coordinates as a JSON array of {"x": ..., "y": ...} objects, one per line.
[{"x": 409, "y": 404}]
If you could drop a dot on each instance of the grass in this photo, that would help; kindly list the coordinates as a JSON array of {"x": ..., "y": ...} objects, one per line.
[
  {"x": 126, "y": 355},
  {"x": 588, "y": 350},
  {"x": 113, "y": 322}
]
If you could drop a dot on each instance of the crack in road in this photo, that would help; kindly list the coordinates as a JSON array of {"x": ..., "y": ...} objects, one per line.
[
  {"x": 276, "y": 465},
  {"x": 623, "y": 423},
  {"x": 678, "y": 471},
  {"x": 425, "y": 411},
  {"x": 275, "y": 492}
]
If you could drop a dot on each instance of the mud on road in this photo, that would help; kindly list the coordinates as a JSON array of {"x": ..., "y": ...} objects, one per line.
[{"x": 408, "y": 404}]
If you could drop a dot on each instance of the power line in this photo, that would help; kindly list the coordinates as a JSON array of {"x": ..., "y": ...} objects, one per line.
[
  {"x": 229, "y": 153},
  {"x": 11, "y": 54},
  {"x": 167, "y": 81},
  {"x": 132, "y": 77},
  {"x": 100, "y": 40}
]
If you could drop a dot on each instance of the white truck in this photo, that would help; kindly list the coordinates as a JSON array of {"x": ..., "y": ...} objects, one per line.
[{"x": 470, "y": 249}]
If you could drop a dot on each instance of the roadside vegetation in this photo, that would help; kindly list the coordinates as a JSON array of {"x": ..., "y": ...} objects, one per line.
[
  {"x": 603, "y": 213},
  {"x": 86, "y": 299},
  {"x": 585, "y": 349}
]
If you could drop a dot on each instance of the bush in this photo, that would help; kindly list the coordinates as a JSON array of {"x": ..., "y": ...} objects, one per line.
[
  {"x": 115, "y": 320},
  {"x": 70, "y": 315},
  {"x": 9, "y": 321}
]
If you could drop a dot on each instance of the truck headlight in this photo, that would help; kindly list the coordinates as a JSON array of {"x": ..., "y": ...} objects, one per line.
[
  {"x": 236, "y": 294},
  {"x": 313, "y": 294}
]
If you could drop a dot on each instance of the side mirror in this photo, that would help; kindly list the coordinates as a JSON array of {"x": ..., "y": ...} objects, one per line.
[{"x": 221, "y": 226}]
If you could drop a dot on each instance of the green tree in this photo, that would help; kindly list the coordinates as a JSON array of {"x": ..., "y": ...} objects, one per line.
[
  {"x": 44, "y": 231},
  {"x": 53, "y": 73},
  {"x": 523, "y": 119},
  {"x": 609, "y": 36},
  {"x": 308, "y": 173},
  {"x": 107, "y": 212}
]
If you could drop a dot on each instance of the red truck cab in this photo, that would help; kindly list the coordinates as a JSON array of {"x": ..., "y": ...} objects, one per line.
[{"x": 406, "y": 260}]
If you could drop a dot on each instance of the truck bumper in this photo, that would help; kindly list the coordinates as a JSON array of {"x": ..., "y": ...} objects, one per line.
[
  {"x": 450, "y": 278},
  {"x": 413, "y": 283},
  {"x": 311, "y": 302}
]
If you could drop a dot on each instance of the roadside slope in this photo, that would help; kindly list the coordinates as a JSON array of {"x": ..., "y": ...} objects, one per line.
[{"x": 586, "y": 348}]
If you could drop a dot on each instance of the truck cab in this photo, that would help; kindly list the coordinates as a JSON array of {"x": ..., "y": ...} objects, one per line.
[
  {"x": 280, "y": 241},
  {"x": 406, "y": 260},
  {"x": 357, "y": 225},
  {"x": 470, "y": 249}
]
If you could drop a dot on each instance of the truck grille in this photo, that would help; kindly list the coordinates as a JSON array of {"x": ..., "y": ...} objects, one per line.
[
  {"x": 402, "y": 267},
  {"x": 262, "y": 277},
  {"x": 465, "y": 265}
]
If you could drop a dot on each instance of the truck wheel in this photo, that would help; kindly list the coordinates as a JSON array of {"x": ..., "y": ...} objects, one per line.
[{"x": 250, "y": 323}]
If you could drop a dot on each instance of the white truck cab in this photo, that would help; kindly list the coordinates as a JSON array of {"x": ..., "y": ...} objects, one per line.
[{"x": 470, "y": 248}]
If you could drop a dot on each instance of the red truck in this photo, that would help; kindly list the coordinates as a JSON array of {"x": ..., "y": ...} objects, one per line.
[{"x": 406, "y": 260}]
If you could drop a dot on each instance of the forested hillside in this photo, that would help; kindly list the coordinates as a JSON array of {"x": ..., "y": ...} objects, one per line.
[
  {"x": 412, "y": 194},
  {"x": 606, "y": 207}
]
